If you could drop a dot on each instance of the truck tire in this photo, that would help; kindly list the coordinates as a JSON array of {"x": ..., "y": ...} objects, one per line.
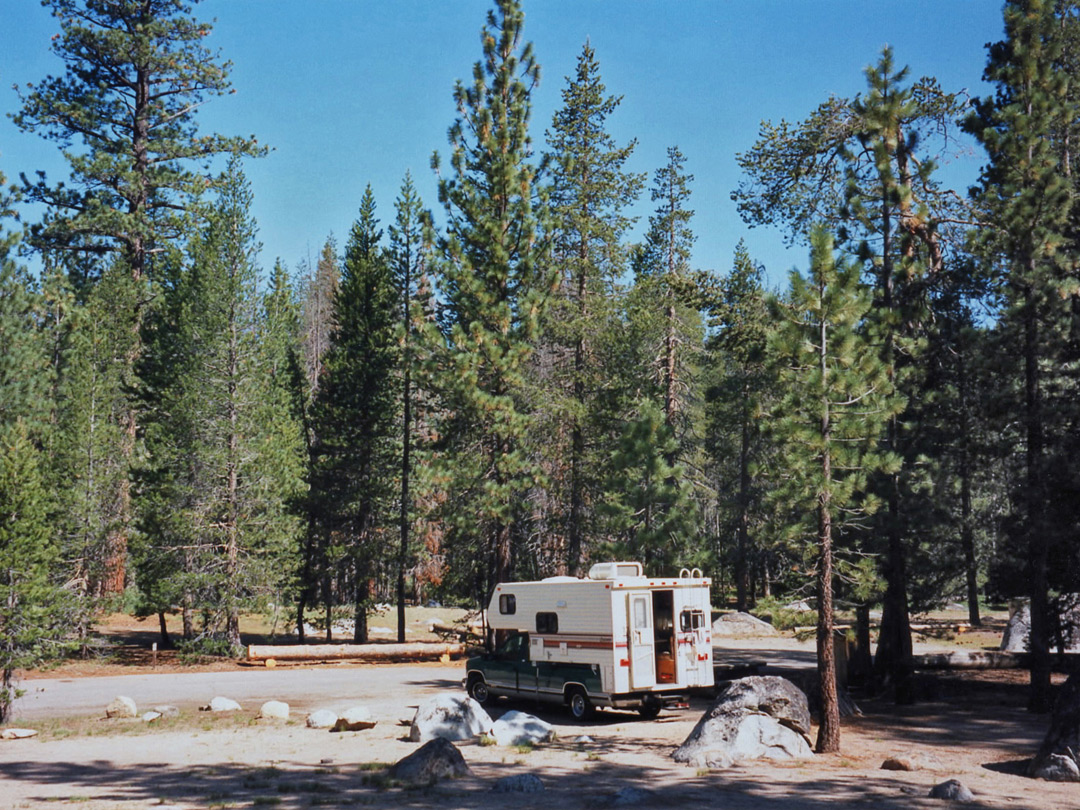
[
  {"x": 478, "y": 690},
  {"x": 650, "y": 708},
  {"x": 578, "y": 703}
]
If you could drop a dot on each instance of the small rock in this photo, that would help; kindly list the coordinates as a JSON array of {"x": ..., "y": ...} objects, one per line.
[
  {"x": 121, "y": 706},
  {"x": 18, "y": 733},
  {"x": 322, "y": 718},
  {"x": 434, "y": 760},
  {"x": 221, "y": 704},
  {"x": 1057, "y": 768},
  {"x": 150, "y": 717},
  {"x": 920, "y": 761},
  {"x": 167, "y": 711},
  {"x": 952, "y": 790},
  {"x": 519, "y": 783},
  {"x": 584, "y": 739},
  {"x": 274, "y": 710}
]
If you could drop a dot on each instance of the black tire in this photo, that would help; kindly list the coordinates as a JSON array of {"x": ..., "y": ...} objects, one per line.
[
  {"x": 478, "y": 691},
  {"x": 650, "y": 709},
  {"x": 578, "y": 704}
]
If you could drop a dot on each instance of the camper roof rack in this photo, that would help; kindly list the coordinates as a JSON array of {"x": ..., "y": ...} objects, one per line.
[{"x": 615, "y": 570}]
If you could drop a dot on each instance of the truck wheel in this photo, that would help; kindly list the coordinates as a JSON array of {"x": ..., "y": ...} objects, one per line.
[
  {"x": 579, "y": 705},
  {"x": 650, "y": 708},
  {"x": 478, "y": 691}
]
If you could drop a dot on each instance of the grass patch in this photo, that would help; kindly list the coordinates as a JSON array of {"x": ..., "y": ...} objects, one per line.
[{"x": 60, "y": 728}]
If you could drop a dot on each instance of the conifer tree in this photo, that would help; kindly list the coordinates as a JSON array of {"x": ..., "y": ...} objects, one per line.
[
  {"x": 213, "y": 515},
  {"x": 590, "y": 191},
  {"x": 739, "y": 389},
  {"x": 319, "y": 289},
  {"x": 836, "y": 403},
  {"x": 1027, "y": 190},
  {"x": 124, "y": 113},
  {"x": 664, "y": 264},
  {"x": 353, "y": 419},
  {"x": 409, "y": 248},
  {"x": 33, "y": 617},
  {"x": 494, "y": 285},
  {"x": 136, "y": 72}
]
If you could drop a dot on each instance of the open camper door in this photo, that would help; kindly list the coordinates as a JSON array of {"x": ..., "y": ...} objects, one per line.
[{"x": 642, "y": 643}]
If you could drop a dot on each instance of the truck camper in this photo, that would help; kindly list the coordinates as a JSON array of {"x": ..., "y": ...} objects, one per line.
[{"x": 615, "y": 638}]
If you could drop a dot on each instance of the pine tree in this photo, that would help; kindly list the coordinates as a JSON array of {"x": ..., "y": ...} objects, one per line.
[
  {"x": 213, "y": 516},
  {"x": 319, "y": 291},
  {"x": 124, "y": 113},
  {"x": 494, "y": 284},
  {"x": 353, "y": 418},
  {"x": 664, "y": 263},
  {"x": 409, "y": 248},
  {"x": 739, "y": 390},
  {"x": 33, "y": 617},
  {"x": 590, "y": 192},
  {"x": 838, "y": 399},
  {"x": 1027, "y": 190},
  {"x": 136, "y": 72}
]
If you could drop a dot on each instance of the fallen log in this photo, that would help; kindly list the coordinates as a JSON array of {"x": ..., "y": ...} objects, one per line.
[
  {"x": 969, "y": 659},
  {"x": 414, "y": 651}
]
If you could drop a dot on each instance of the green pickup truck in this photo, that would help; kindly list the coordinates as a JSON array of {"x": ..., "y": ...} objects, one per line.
[{"x": 508, "y": 671}]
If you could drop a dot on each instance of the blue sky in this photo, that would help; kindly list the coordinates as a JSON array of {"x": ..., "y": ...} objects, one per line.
[{"x": 349, "y": 93}]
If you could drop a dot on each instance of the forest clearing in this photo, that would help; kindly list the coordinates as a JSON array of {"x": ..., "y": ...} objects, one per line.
[
  {"x": 969, "y": 726},
  {"x": 536, "y": 373}
]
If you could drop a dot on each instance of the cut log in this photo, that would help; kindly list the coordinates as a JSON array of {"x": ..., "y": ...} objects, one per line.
[
  {"x": 414, "y": 651},
  {"x": 969, "y": 659}
]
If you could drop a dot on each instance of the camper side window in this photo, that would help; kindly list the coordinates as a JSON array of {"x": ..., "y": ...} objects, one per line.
[
  {"x": 507, "y": 604},
  {"x": 547, "y": 623},
  {"x": 691, "y": 620}
]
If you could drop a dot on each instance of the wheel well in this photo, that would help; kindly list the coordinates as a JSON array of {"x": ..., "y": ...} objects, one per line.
[
  {"x": 474, "y": 676},
  {"x": 570, "y": 688}
]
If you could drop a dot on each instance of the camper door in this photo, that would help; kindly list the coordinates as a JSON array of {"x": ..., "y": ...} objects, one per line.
[{"x": 642, "y": 643}]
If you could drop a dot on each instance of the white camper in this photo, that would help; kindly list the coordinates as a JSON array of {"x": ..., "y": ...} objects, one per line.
[{"x": 616, "y": 638}]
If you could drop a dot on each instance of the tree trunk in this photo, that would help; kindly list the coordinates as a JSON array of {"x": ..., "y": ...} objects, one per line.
[
  {"x": 742, "y": 577},
  {"x": 1038, "y": 542},
  {"x": 967, "y": 533},
  {"x": 166, "y": 642},
  {"x": 828, "y": 740}
]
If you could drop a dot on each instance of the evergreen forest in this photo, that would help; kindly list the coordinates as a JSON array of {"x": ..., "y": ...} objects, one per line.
[{"x": 502, "y": 383}]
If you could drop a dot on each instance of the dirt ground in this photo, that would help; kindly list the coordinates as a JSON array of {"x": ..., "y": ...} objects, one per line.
[{"x": 972, "y": 727}]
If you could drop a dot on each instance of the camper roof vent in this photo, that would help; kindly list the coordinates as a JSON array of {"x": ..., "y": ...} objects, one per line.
[
  {"x": 560, "y": 579},
  {"x": 615, "y": 570}
]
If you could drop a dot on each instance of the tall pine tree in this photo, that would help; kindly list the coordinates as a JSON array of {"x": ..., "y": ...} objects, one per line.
[{"x": 494, "y": 283}]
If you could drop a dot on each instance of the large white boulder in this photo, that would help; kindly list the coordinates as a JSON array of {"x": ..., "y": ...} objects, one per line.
[
  {"x": 222, "y": 704},
  {"x": 518, "y": 728},
  {"x": 449, "y": 717},
  {"x": 753, "y": 718},
  {"x": 322, "y": 718},
  {"x": 274, "y": 710},
  {"x": 741, "y": 625}
]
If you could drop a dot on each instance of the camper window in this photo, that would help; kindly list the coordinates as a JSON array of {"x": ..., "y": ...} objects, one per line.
[
  {"x": 547, "y": 623},
  {"x": 507, "y": 604},
  {"x": 691, "y": 620}
]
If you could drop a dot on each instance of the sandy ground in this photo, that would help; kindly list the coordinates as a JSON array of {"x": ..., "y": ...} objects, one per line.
[{"x": 972, "y": 728}]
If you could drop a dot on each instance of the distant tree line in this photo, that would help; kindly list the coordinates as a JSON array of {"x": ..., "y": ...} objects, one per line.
[{"x": 517, "y": 388}]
